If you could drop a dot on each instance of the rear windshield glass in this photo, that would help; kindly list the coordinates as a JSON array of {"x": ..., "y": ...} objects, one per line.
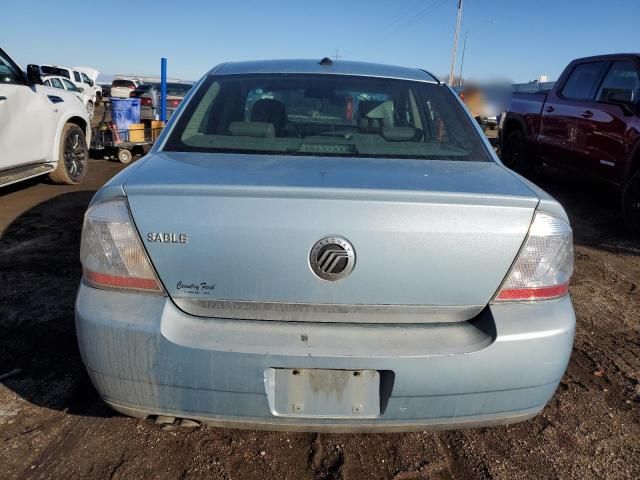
[
  {"x": 178, "y": 89},
  {"x": 142, "y": 88},
  {"x": 63, "y": 72},
  {"x": 326, "y": 115},
  {"x": 122, "y": 83}
]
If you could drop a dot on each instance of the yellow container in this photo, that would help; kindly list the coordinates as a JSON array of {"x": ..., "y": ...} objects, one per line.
[
  {"x": 156, "y": 129},
  {"x": 136, "y": 132}
]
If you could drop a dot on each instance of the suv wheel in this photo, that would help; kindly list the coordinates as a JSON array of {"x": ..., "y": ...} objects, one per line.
[
  {"x": 73, "y": 157},
  {"x": 631, "y": 203}
]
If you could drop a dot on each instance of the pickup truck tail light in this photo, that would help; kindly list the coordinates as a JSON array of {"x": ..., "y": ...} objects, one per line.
[
  {"x": 173, "y": 103},
  {"x": 544, "y": 265},
  {"x": 146, "y": 102},
  {"x": 111, "y": 252}
]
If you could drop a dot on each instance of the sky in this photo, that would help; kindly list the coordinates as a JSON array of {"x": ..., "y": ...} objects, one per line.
[{"x": 514, "y": 39}]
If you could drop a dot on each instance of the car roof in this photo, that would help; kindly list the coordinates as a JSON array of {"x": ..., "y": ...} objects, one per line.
[
  {"x": 609, "y": 56},
  {"x": 323, "y": 66}
]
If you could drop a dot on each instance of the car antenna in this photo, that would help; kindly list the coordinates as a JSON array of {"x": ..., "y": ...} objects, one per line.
[{"x": 326, "y": 61}]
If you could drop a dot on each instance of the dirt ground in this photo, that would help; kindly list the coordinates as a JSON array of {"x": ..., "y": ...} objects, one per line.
[{"x": 54, "y": 425}]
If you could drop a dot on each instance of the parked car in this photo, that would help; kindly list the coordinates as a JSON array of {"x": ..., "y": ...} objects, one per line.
[
  {"x": 82, "y": 77},
  {"x": 43, "y": 131},
  {"x": 149, "y": 95},
  {"x": 589, "y": 122},
  {"x": 122, "y": 88},
  {"x": 105, "y": 90},
  {"x": 65, "y": 84},
  {"x": 333, "y": 268}
]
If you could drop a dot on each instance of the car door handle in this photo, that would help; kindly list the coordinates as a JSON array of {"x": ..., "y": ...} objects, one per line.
[
  {"x": 587, "y": 114},
  {"x": 2, "y": 98},
  {"x": 549, "y": 109}
]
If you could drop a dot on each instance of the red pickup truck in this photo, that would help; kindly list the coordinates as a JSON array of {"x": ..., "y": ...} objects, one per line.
[{"x": 589, "y": 122}]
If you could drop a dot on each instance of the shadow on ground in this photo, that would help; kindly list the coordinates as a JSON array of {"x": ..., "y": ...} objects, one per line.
[
  {"x": 39, "y": 274},
  {"x": 595, "y": 209}
]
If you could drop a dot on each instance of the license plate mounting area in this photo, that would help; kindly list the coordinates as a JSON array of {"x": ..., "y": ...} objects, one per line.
[{"x": 321, "y": 393}]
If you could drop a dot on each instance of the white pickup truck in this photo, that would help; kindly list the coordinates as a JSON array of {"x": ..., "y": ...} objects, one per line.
[{"x": 43, "y": 130}]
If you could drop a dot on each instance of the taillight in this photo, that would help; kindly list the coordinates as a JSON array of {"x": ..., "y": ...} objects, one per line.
[
  {"x": 132, "y": 87},
  {"x": 146, "y": 102},
  {"x": 111, "y": 252},
  {"x": 544, "y": 265},
  {"x": 173, "y": 103}
]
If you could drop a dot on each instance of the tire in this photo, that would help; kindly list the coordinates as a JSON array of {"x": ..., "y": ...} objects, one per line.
[
  {"x": 515, "y": 154},
  {"x": 124, "y": 155},
  {"x": 73, "y": 156},
  {"x": 631, "y": 204}
]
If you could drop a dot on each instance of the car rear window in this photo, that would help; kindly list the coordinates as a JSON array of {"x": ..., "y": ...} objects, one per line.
[
  {"x": 140, "y": 89},
  {"x": 123, "y": 83},
  {"x": 177, "y": 89},
  {"x": 327, "y": 115},
  {"x": 62, "y": 72}
]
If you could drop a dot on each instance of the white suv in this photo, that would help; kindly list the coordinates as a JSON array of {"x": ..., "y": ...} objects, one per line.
[
  {"x": 82, "y": 77},
  {"x": 42, "y": 130}
]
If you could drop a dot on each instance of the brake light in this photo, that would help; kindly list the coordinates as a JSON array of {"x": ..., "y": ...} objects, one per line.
[
  {"x": 111, "y": 252},
  {"x": 544, "y": 265},
  {"x": 173, "y": 103},
  {"x": 131, "y": 87},
  {"x": 146, "y": 102}
]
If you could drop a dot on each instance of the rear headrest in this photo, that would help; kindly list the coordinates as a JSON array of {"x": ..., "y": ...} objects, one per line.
[
  {"x": 271, "y": 111},
  {"x": 373, "y": 115},
  {"x": 365, "y": 106},
  {"x": 401, "y": 134},
  {"x": 252, "y": 129}
]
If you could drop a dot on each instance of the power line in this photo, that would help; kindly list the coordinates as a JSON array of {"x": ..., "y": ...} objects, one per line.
[
  {"x": 404, "y": 11},
  {"x": 426, "y": 12},
  {"x": 420, "y": 13}
]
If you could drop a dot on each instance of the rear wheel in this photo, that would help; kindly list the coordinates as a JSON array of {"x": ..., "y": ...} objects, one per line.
[
  {"x": 73, "y": 156},
  {"x": 515, "y": 154},
  {"x": 631, "y": 204}
]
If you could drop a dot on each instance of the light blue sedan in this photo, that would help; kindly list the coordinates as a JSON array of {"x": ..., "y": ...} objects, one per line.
[{"x": 333, "y": 246}]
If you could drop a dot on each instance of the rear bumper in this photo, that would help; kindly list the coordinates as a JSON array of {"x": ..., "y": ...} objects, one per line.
[{"x": 147, "y": 357}]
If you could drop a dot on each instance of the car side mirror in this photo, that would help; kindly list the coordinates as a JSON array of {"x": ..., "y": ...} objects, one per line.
[
  {"x": 80, "y": 89},
  {"x": 34, "y": 74}
]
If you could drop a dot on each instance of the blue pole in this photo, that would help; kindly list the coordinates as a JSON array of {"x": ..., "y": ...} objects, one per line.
[{"x": 163, "y": 89}]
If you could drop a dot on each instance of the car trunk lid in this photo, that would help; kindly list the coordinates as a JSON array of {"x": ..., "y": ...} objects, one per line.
[{"x": 230, "y": 235}]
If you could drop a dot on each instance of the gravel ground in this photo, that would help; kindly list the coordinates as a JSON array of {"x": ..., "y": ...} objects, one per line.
[{"x": 53, "y": 424}]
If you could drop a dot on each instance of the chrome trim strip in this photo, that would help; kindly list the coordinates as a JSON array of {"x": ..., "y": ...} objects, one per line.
[{"x": 326, "y": 312}]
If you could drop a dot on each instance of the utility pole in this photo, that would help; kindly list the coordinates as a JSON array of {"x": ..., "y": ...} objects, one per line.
[
  {"x": 464, "y": 48},
  {"x": 455, "y": 43},
  {"x": 337, "y": 56}
]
